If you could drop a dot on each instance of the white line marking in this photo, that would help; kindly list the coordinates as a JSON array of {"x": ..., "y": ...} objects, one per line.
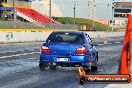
[
  {"x": 19, "y": 55},
  {"x": 117, "y": 42},
  {"x": 101, "y": 44},
  {"x": 119, "y": 86},
  {"x": 109, "y": 43},
  {"x": 105, "y": 42}
]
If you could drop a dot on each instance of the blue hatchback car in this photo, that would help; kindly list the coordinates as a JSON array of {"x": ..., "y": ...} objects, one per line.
[{"x": 68, "y": 49}]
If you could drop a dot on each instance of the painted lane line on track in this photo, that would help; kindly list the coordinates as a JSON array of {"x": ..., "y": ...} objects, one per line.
[
  {"x": 101, "y": 44},
  {"x": 109, "y": 43},
  {"x": 119, "y": 86},
  {"x": 117, "y": 42},
  {"x": 19, "y": 55}
]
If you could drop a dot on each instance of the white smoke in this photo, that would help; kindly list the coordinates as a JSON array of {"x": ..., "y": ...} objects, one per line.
[{"x": 42, "y": 6}]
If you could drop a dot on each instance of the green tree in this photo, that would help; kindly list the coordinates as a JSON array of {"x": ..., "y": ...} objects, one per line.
[{"x": 1, "y": 1}]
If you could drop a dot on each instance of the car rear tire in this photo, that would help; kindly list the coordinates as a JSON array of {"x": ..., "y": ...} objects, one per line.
[
  {"x": 46, "y": 66},
  {"x": 95, "y": 68},
  {"x": 86, "y": 69},
  {"x": 43, "y": 67},
  {"x": 53, "y": 67}
]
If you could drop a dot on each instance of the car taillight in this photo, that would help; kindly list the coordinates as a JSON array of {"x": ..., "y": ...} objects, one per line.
[
  {"x": 45, "y": 49},
  {"x": 81, "y": 50}
]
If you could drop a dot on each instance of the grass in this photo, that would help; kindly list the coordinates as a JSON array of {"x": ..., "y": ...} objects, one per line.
[
  {"x": 64, "y": 20},
  {"x": 82, "y": 21}
]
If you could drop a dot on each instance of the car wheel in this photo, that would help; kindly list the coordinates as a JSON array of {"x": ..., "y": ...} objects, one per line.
[
  {"x": 96, "y": 66},
  {"x": 53, "y": 67},
  {"x": 86, "y": 68},
  {"x": 43, "y": 67}
]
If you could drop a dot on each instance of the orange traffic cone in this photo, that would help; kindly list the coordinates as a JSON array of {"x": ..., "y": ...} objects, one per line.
[{"x": 125, "y": 63}]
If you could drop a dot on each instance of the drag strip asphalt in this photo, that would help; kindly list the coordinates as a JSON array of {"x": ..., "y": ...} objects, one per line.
[{"x": 21, "y": 69}]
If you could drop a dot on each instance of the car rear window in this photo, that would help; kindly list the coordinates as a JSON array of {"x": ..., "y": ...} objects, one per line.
[{"x": 65, "y": 38}]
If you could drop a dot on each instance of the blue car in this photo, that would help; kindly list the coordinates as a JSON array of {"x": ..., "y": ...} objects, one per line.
[{"x": 68, "y": 49}]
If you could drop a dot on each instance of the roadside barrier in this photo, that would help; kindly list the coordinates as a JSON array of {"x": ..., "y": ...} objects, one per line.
[
  {"x": 26, "y": 30},
  {"x": 33, "y": 30},
  {"x": 34, "y": 35}
]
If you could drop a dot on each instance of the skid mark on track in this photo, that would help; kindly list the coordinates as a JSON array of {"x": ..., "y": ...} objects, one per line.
[
  {"x": 21, "y": 82},
  {"x": 13, "y": 66}
]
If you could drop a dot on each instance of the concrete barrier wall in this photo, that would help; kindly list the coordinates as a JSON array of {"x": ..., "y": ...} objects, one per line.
[
  {"x": 8, "y": 37},
  {"x": 105, "y": 34}
]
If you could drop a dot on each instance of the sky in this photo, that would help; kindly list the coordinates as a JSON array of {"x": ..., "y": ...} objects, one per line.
[
  {"x": 65, "y": 8},
  {"x": 42, "y": 6},
  {"x": 102, "y": 11}
]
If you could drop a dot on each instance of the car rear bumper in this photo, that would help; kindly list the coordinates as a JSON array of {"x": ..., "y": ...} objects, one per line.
[{"x": 75, "y": 60}]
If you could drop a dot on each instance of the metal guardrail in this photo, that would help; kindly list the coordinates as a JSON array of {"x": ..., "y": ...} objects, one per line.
[
  {"x": 10, "y": 24},
  {"x": 26, "y": 30},
  {"x": 31, "y": 30},
  {"x": 28, "y": 25},
  {"x": 62, "y": 26}
]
